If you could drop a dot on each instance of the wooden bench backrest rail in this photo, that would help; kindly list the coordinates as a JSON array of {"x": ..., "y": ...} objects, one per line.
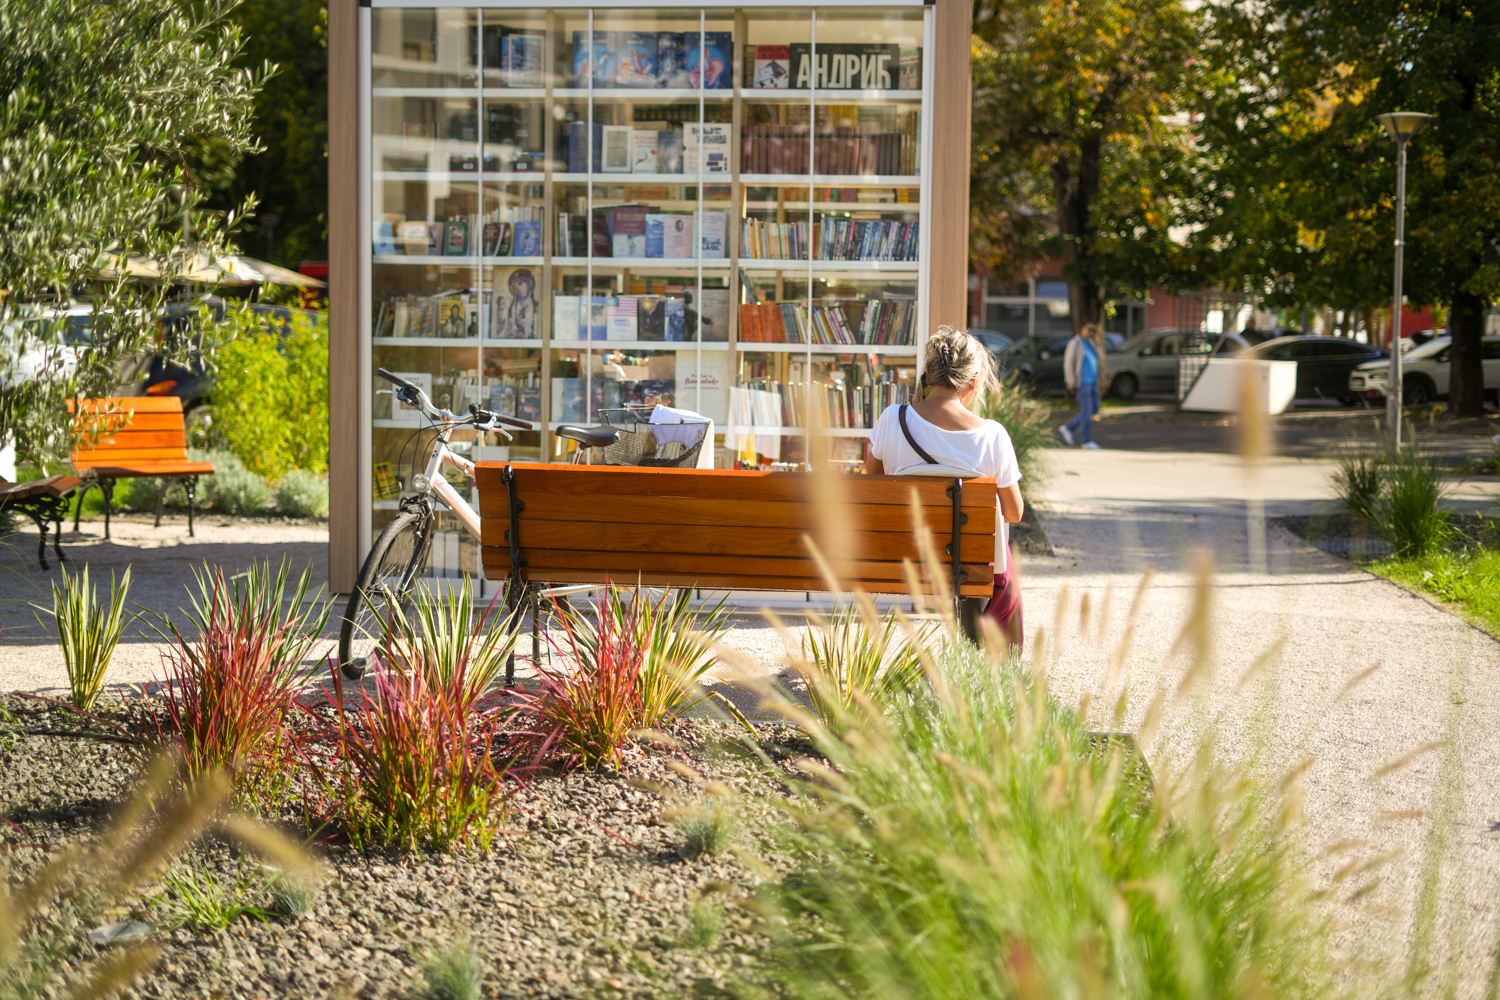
[
  {"x": 721, "y": 529},
  {"x": 128, "y": 431}
]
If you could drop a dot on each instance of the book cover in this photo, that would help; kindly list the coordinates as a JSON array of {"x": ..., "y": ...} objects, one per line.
[
  {"x": 616, "y": 159},
  {"x": 528, "y": 240},
  {"x": 656, "y": 224},
  {"x": 503, "y": 244},
  {"x": 414, "y": 238},
  {"x": 529, "y": 406},
  {"x": 636, "y": 60},
  {"x": 598, "y": 318},
  {"x": 622, "y": 319},
  {"x": 669, "y": 152},
  {"x": 671, "y": 70},
  {"x": 789, "y": 323},
  {"x": 521, "y": 58},
  {"x": 708, "y": 307},
  {"x": 450, "y": 319},
  {"x": 710, "y": 65},
  {"x": 502, "y": 400},
  {"x": 677, "y": 236},
  {"x": 628, "y": 233},
  {"x": 643, "y": 151},
  {"x": 773, "y": 67},
  {"x": 909, "y": 73},
  {"x": 385, "y": 237},
  {"x": 567, "y": 400},
  {"x": 596, "y": 61},
  {"x": 858, "y": 66},
  {"x": 713, "y": 225},
  {"x": 565, "y": 317},
  {"x": 387, "y": 486},
  {"x": 600, "y": 243},
  {"x": 707, "y": 143},
  {"x": 651, "y": 325},
  {"x": 435, "y": 237},
  {"x": 411, "y": 416},
  {"x": 673, "y": 319},
  {"x": 455, "y": 238},
  {"x": 514, "y": 306}
]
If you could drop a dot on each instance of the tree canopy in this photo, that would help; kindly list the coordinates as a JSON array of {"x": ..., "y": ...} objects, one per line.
[{"x": 108, "y": 107}]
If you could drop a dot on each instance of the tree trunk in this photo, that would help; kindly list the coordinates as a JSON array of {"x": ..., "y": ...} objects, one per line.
[
  {"x": 1075, "y": 191},
  {"x": 1466, "y": 381}
]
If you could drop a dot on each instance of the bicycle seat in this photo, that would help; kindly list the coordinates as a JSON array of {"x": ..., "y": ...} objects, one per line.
[{"x": 589, "y": 437}]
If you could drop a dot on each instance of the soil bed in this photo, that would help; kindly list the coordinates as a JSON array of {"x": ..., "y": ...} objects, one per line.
[
  {"x": 587, "y": 894},
  {"x": 1342, "y": 535}
]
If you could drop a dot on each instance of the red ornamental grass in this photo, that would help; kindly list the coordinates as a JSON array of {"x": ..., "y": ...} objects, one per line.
[
  {"x": 585, "y": 717},
  {"x": 413, "y": 764}
]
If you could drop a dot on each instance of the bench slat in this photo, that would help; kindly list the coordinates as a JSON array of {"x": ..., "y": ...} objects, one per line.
[
  {"x": 127, "y": 469},
  {"x": 711, "y": 484},
  {"x": 635, "y": 562},
  {"x": 117, "y": 456},
  {"x": 140, "y": 404},
  {"x": 711, "y": 581},
  {"x": 727, "y": 513},
  {"x": 137, "y": 421},
  {"x": 709, "y": 541},
  {"x": 132, "y": 437}
]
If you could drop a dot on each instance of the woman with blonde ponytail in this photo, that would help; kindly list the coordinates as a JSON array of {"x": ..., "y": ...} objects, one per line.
[{"x": 942, "y": 429}]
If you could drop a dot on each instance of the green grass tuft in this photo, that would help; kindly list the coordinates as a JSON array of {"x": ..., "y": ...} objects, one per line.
[
  {"x": 453, "y": 970},
  {"x": 1470, "y": 580},
  {"x": 88, "y": 630}
]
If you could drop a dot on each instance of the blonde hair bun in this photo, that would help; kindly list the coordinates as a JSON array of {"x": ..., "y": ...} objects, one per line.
[{"x": 955, "y": 360}]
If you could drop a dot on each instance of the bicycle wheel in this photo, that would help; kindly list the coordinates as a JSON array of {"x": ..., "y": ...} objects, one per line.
[{"x": 384, "y": 588}]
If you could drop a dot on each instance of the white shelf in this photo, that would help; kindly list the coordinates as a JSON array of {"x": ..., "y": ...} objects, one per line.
[
  {"x": 907, "y": 207},
  {"x": 485, "y": 342},
  {"x": 881, "y": 266},
  {"x": 432, "y": 176},
  {"x": 517, "y": 93},
  {"x": 831, "y": 180},
  {"x": 631, "y": 178},
  {"x": 423, "y": 91},
  {"x": 646, "y": 263},
  {"x": 642, "y": 345},
  {"x": 517, "y": 342},
  {"x": 825, "y": 96},
  {"x": 468, "y": 260},
  {"x": 653, "y": 94},
  {"x": 894, "y": 350}
]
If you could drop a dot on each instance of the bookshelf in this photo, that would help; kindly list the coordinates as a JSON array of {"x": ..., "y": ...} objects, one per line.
[{"x": 562, "y": 209}]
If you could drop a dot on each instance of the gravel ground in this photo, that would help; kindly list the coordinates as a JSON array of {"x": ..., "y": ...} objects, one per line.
[{"x": 587, "y": 894}]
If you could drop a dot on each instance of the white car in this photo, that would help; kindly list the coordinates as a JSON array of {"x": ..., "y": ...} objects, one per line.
[
  {"x": 1424, "y": 373},
  {"x": 24, "y": 356}
]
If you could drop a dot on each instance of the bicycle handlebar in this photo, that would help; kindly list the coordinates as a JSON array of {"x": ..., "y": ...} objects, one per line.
[{"x": 412, "y": 395}]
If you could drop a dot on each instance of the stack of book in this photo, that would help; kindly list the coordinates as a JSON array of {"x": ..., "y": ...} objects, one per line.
[
  {"x": 645, "y": 232},
  {"x": 649, "y": 148},
  {"x": 887, "y": 322},
  {"x": 863, "y": 149},
  {"x": 670, "y": 318},
  {"x": 844, "y": 238},
  {"x": 679, "y": 60},
  {"x": 773, "y": 240}
]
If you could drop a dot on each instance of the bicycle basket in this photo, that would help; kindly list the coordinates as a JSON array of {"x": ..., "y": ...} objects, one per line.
[{"x": 638, "y": 444}]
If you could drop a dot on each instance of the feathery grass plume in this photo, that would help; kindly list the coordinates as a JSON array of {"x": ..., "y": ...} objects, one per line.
[
  {"x": 586, "y": 716},
  {"x": 676, "y": 645},
  {"x": 441, "y": 631},
  {"x": 88, "y": 630},
  {"x": 227, "y": 694},
  {"x": 1410, "y": 515},
  {"x": 453, "y": 970},
  {"x": 412, "y": 765},
  {"x": 42, "y": 917}
]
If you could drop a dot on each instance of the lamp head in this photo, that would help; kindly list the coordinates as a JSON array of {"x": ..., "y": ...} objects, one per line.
[{"x": 1402, "y": 125}]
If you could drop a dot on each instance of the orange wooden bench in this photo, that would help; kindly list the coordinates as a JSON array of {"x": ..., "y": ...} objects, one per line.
[
  {"x": 42, "y": 500},
  {"x": 130, "y": 438},
  {"x": 724, "y": 530}
]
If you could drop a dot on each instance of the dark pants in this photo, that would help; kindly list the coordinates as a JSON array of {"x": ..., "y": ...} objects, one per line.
[{"x": 1003, "y": 606}]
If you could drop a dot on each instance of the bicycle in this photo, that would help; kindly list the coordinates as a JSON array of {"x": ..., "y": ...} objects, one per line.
[{"x": 386, "y": 580}]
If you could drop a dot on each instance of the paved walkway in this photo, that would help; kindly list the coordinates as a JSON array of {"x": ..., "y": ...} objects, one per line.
[{"x": 1113, "y": 515}]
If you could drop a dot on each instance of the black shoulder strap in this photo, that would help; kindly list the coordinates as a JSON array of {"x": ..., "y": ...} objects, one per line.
[{"x": 901, "y": 415}]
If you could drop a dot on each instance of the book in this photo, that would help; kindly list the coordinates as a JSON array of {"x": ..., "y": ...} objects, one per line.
[
  {"x": 643, "y": 150},
  {"x": 414, "y": 237},
  {"x": 677, "y": 236},
  {"x": 772, "y": 67},
  {"x": 528, "y": 241},
  {"x": 489, "y": 239},
  {"x": 385, "y": 236},
  {"x": 656, "y": 224},
  {"x": 635, "y": 61},
  {"x": 855, "y": 66},
  {"x": 514, "y": 307},
  {"x": 600, "y": 243},
  {"x": 503, "y": 245},
  {"x": 707, "y": 143},
  {"x": 502, "y": 400},
  {"x": 622, "y": 318},
  {"x": 652, "y": 312},
  {"x": 598, "y": 318},
  {"x": 565, "y": 317},
  {"x": 462, "y": 163},
  {"x": 909, "y": 72},
  {"x": 567, "y": 400},
  {"x": 521, "y": 58},
  {"x": 709, "y": 59},
  {"x": 628, "y": 232},
  {"x": 616, "y": 156},
  {"x": 450, "y": 319},
  {"x": 673, "y": 317},
  {"x": 669, "y": 151},
  {"x": 713, "y": 225},
  {"x": 455, "y": 238},
  {"x": 708, "y": 307},
  {"x": 411, "y": 416},
  {"x": 387, "y": 486},
  {"x": 593, "y": 63},
  {"x": 530, "y": 405},
  {"x": 671, "y": 70}
]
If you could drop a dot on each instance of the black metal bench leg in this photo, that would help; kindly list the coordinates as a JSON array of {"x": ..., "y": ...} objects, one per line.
[
  {"x": 78, "y": 505},
  {"x": 190, "y": 484},
  {"x": 161, "y": 498},
  {"x": 57, "y": 522},
  {"x": 108, "y": 489}
]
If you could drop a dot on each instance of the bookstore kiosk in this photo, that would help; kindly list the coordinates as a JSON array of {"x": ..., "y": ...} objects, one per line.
[{"x": 753, "y": 211}]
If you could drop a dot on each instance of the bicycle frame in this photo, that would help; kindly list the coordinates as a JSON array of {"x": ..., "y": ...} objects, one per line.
[{"x": 439, "y": 486}]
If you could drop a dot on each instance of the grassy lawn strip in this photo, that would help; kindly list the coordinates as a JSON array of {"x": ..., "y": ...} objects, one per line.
[{"x": 1470, "y": 580}]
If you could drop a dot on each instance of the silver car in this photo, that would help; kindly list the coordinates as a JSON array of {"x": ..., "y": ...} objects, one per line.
[
  {"x": 1425, "y": 371},
  {"x": 1148, "y": 362}
]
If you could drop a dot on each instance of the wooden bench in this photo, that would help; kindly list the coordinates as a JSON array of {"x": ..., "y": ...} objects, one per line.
[
  {"x": 43, "y": 500},
  {"x": 130, "y": 438},
  {"x": 724, "y": 530}
]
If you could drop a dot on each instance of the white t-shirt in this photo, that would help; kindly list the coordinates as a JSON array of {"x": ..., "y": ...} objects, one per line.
[{"x": 985, "y": 451}]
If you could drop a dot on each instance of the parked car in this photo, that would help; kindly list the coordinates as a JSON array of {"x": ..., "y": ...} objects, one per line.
[
  {"x": 1148, "y": 361},
  {"x": 1425, "y": 372},
  {"x": 1323, "y": 363},
  {"x": 192, "y": 382},
  {"x": 24, "y": 356},
  {"x": 1037, "y": 361},
  {"x": 993, "y": 342}
]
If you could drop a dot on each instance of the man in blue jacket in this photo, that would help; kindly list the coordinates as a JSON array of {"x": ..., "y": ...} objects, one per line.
[{"x": 1083, "y": 370}]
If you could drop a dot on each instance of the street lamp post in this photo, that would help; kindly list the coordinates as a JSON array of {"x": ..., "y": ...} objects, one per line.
[{"x": 1402, "y": 125}]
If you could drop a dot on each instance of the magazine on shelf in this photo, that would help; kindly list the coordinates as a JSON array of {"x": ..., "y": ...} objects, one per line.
[
  {"x": 709, "y": 59},
  {"x": 514, "y": 307},
  {"x": 636, "y": 60},
  {"x": 616, "y": 158},
  {"x": 594, "y": 63},
  {"x": 643, "y": 150},
  {"x": 858, "y": 66},
  {"x": 772, "y": 67}
]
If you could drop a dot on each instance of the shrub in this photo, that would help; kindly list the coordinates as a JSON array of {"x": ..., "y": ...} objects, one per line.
[
  {"x": 271, "y": 394},
  {"x": 676, "y": 646},
  {"x": 1029, "y": 427},
  {"x": 585, "y": 716},
  {"x": 706, "y": 828},
  {"x": 1359, "y": 481},
  {"x": 238, "y": 491},
  {"x": 453, "y": 970},
  {"x": 229, "y": 689},
  {"x": 88, "y": 631},
  {"x": 1411, "y": 515},
  {"x": 302, "y": 494},
  {"x": 144, "y": 491}
]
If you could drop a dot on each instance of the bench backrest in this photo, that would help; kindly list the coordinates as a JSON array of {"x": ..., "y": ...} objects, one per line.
[
  {"x": 722, "y": 529},
  {"x": 129, "y": 429}
]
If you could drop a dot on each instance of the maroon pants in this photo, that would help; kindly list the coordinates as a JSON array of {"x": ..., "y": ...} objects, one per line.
[{"x": 1005, "y": 604}]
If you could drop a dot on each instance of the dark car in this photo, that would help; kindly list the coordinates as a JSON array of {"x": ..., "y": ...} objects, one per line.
[
  {"x": 993, "y": 342},
  {"x": 1323, "y": 363},
  {"x": 1037, "y": 361},
  {"x": 1148, "y": 362},
  {"x": 192, "y": 382}
]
